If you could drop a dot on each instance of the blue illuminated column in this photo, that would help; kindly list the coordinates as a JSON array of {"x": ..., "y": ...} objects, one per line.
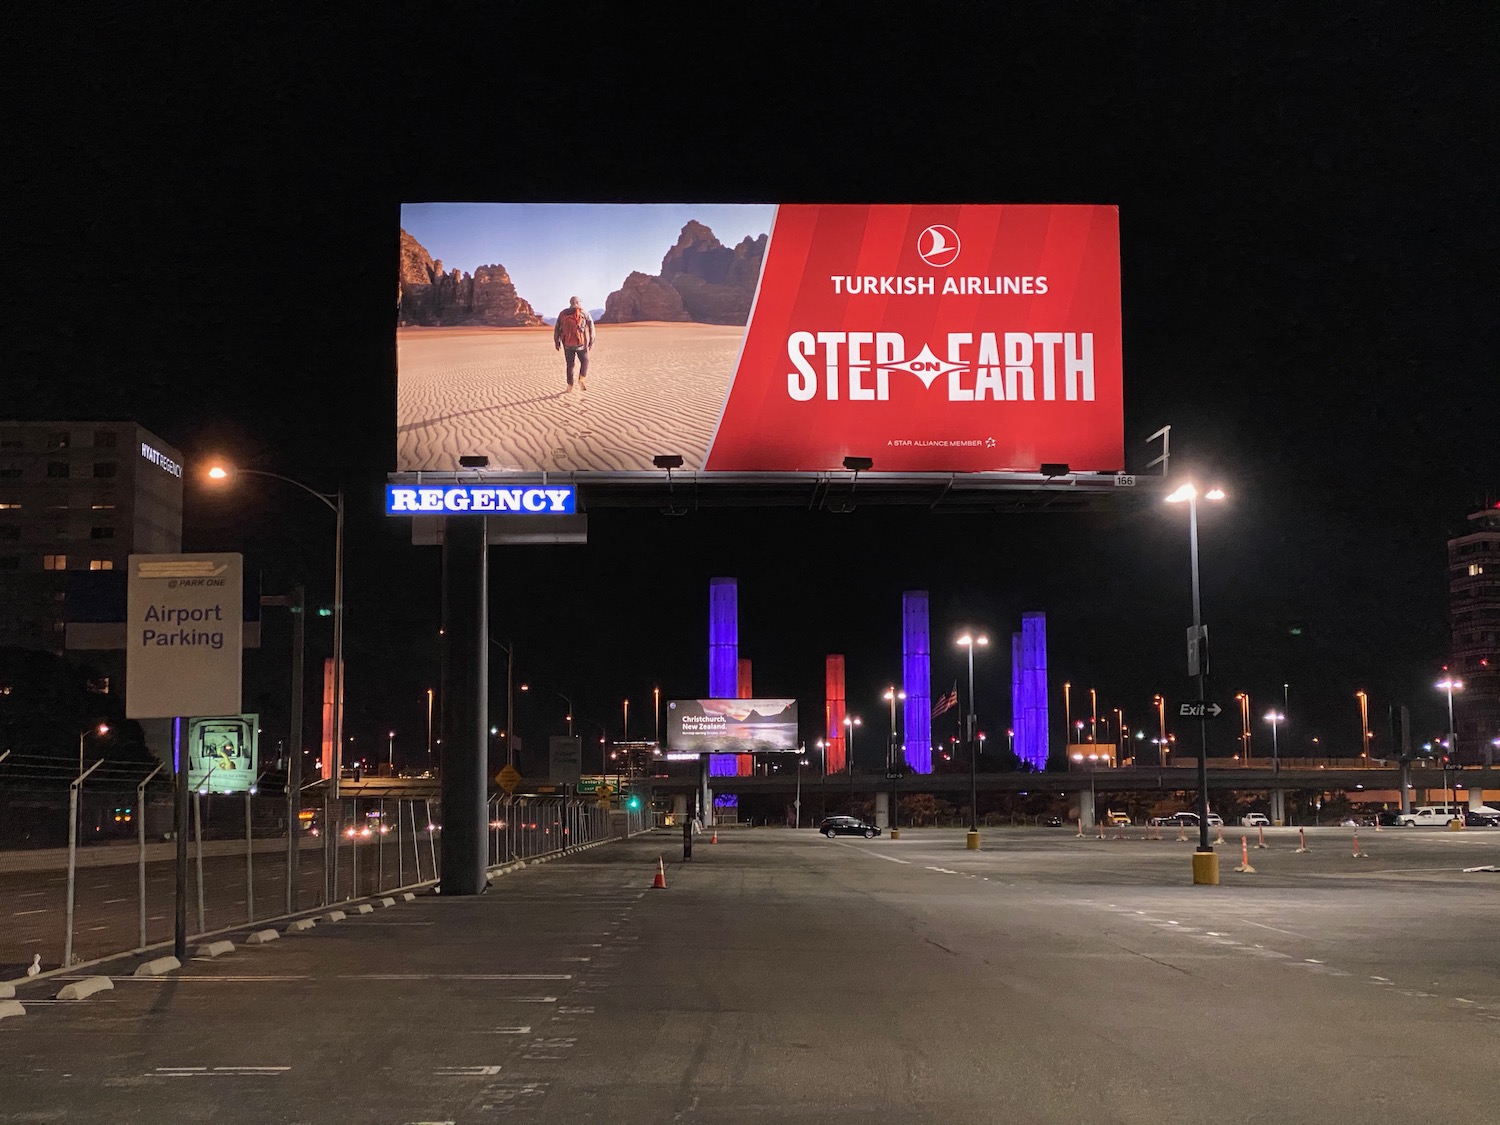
[
  {"x": 1033, "y": 748},
  {"x": 916, "y": 680},
  {"x": 723, "y": 655},
  {"x": 1017, "y": 691}
]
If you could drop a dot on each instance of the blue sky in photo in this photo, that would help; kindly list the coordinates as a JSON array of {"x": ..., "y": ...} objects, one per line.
[{"x": 554, "y": 250}]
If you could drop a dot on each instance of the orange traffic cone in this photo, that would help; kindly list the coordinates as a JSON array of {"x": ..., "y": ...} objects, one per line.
[
  {"x": 714, "y": 839},
  {"x": 1219, "y": 839},
  {"x": 1357, "y": 854},
  {"x": 1301, "y": 840},
  {"x": 1260, "y": 837},
  {"x": 660, "y": 882},
  {"x": 1245, "y": 857},
  {"x": 1181, "y": 833}
]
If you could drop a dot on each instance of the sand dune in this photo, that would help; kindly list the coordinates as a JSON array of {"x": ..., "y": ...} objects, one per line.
[{"x": 652, "y": 388}]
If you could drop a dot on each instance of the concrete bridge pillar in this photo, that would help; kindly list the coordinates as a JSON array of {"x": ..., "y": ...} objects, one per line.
[
  {"x": 882, "y": 810},
  {"x": 680, "y": 808},
  {"x": 1278, "y": 806},
  {"x": 1086, "y": 807}
]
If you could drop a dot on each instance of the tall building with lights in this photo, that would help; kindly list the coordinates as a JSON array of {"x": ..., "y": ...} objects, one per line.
[
  {"x": 1474, "y": 617},
  {"x": 77, "y": 496}
]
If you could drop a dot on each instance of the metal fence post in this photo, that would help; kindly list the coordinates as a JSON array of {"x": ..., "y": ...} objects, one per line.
[
  {"x": 431, "y": 843},
  {"x": 400, "y": 865},
  {"x": 73, "y": 789},
  {"x": 354, "y": 840},
  {"x": 140, "y": 845},
  {"x": 380, "y": 831},
  {"x": 249, "y": 863},
  {"x": 198, "y": 835},
  {"x": 327, "y": 833}
]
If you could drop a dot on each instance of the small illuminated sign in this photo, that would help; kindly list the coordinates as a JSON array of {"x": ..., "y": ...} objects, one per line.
[
  {"x": 160, "y": 460},
  {"x": 459, "y": 499}
]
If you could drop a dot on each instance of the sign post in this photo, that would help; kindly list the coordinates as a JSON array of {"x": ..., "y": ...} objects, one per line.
[{"x": 183, "y": 641}]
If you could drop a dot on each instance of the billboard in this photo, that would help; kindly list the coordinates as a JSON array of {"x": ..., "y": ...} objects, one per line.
[
  {"x": 731, "y": 726},
  {"x": 752, "y": 338},
  {"x": 222, "y": 753},
  {"x": 183, "y": 624}
]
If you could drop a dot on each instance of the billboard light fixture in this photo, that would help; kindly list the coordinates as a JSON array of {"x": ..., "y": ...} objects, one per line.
[
  {"x": 1054, "y": 469},
  {"x": 474, "y": 461},
  {"x": 861, "y": 464},
  {"x": 667, "y": 461}
]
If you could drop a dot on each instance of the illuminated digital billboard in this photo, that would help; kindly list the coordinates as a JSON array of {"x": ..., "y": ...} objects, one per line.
[
  {"x": 731, "y": 726},
  {"x": 745, "y": 338}
]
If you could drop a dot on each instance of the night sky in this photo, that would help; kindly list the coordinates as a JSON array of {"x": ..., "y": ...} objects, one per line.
[{"x": 205, "y": 233}]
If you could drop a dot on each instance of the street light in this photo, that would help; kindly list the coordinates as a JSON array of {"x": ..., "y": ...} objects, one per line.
[
  {"x": 1364, "y": 725},
  {"x": 1189, "y": 493},
  {"x": 1093, "y": 716},
  {"x": 1161, "y": 729},
  {"x": 1449, "y": 685},
  {"x": 1275, "y": 718},
  {"x": 850, "y": 722},
  {"x": 969, "y": 641},
  {"x": 510, "y": 699},
  {"x": 335, "y": 503},
  {"x": 565, "y": 699},
  {"x": 390, "y": 751},
  {"x": 1244, "y": 701},
  {"x": 101, "y": 730}
]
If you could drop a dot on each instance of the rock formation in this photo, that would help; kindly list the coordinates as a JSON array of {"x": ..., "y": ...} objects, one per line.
[
  {"x": 432, "y": 296},
  {"x": 701, "y": 280}
]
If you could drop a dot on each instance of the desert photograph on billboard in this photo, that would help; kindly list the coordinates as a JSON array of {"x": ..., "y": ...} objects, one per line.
[
  {"x": 752, "y": 338},
  {"x": 567, "y": 338}
]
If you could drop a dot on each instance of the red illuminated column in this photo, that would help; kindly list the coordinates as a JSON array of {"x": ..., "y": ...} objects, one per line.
[
  {"x": 744, "y": 764},
  {"x": 327, "y": 719},
  {"x": 833, "y": 689}
]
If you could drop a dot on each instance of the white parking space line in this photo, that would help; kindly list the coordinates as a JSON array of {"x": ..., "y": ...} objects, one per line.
[
  {"x": 23, "y": 913},
  {"x": 867, "y": 851},
  {"x": 112, "y": 901},
  {"x": 1277, "y": 929}
]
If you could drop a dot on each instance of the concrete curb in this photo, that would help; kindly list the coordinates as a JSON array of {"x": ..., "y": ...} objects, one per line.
[
  {"x": 261, "y": 937},
  {"x": 301, "y": 925},
  {"x": 407, "y": 896},
  {"x": 387, "y": 902},
  {"x": 83, "y": 989},
  {"x": 334, "y": 916},
  {"x": 157, "y": 967},
  {"x": 11, "y": 1008},
  {"x": 7, "y": 991},
  {"x": 214, "y": 949},
  {"x": 364, "y": 908}
]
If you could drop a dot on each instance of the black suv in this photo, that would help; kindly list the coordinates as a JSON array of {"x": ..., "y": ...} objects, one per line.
[{"x": 847, "y": 826}]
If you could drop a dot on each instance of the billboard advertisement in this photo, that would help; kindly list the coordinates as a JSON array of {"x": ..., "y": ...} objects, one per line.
[
  {"x": 745, "y": 338},
  {"x": 222, "y": 753},
  {"x": 731, "y": 726}
]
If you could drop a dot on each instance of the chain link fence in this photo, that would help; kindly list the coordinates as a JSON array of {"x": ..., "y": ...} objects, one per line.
[{"x": 87, "y": 856}]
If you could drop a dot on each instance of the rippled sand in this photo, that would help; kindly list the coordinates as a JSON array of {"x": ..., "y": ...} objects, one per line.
[{"x": 502, "y": 392}]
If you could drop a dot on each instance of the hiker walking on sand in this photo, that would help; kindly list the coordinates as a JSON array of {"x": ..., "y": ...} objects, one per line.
[{"x": 573, "y": 335}]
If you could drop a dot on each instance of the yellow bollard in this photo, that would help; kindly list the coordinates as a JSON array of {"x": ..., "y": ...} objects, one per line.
[
  {"x": 1206, "y": 869},
  {"x": 895, "y": 833},
  {"x": 971, "y": 841}
]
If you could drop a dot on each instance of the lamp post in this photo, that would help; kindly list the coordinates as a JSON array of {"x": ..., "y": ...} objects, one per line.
[
  {"x": 893, "y": 757},
  {"x": 102, "y": 729},
  {"x": 510, "y": 699},
  {"x": 1449, "y": 685},
  {"x": 390, "y": 751},
  {"x": 334, "y": 501},
  {"x": 1244, "y": 701},
  {"x": 1189, "y": 493},
  {"x": 656, "y": 710},
  {"x": 429, "y": 728},
  {"x": 797, "y": 803},
  {"x": 1067, "y": 712},
  {"x": 1093, "y": 760},
  {"x": 970, "y": 641},
  {"x": 1275, "y": 718},
  {"x": 1093, "y": 716},
  {"x": 1120, "y": 742},
  {"x": 850, "y": 722},
  {"x": 1364, "y": 726},
  {"x": 1161, "y": 730}
]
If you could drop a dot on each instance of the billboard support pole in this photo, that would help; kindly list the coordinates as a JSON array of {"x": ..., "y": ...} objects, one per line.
[{"x": 465, "y": 706}]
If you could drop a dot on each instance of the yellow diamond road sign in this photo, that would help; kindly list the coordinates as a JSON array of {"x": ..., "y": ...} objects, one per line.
[{"x": 508, "y": 778}]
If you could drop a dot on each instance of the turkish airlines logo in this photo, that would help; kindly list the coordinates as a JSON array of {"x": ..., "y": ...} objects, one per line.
[{"x": 938, "y": 246}]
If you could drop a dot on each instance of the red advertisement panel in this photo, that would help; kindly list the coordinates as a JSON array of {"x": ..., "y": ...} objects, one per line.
[{"x": 757, "y": 338}]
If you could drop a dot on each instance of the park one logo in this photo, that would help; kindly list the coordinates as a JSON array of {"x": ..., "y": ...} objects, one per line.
[{"x": 938, "y": 245}]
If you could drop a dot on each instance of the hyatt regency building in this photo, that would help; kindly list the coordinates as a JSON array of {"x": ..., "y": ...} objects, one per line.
[{"x": 77, "y": 496}]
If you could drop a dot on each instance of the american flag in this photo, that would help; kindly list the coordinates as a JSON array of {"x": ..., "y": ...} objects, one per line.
[{"x": 945, "y": 703}]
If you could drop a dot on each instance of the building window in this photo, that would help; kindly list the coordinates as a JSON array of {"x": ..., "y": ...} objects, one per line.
[
  {"x": 57, "y": 469},
  {"x": 102, "y": 507},
  {"x": 10, "y": 562},
  {"x": 104, "y": 439},
  {"x": 10, "y": 505},
  {"x": 101, "y": 564},
  {"x": 54, "y": 562},
  {"x": 58, "y": 439},
  {"x": 1476, "y": 569},
  {"x": 105, "y": 468},
  {"x": 101, "y": 533}
]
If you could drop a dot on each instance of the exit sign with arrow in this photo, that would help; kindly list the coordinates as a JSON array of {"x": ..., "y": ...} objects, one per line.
[{"x": 1199, "y": 709}]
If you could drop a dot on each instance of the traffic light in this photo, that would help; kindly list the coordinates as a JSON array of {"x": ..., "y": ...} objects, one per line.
[{"x": 633, "y": 803}]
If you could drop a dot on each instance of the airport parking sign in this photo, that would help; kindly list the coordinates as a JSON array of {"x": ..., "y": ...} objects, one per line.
[{"x": 183, "y": 640}]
